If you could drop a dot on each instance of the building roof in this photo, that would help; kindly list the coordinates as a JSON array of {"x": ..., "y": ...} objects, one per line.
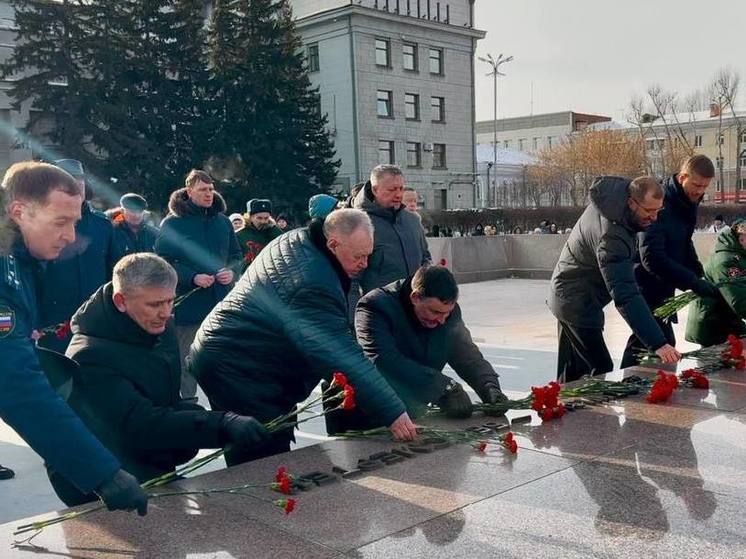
[
  {"x": 684, "y": 118},
  {"x": 571, "y": 119}
]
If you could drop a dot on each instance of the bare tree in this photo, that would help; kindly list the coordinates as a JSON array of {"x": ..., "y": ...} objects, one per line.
[{"x": 725, "y": 86}]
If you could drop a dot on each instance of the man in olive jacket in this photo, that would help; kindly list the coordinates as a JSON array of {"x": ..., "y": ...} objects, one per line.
[
  {"x": 595, "y": 267},
  {"x": 411, "y": 329},
  {"x": 711, "y": 320},
  {"x": 126, "y": 389},
  {"x": 284, "y": 328},
  {"x": 667, "y": 260},
  {"x": 400, "y": 246}
]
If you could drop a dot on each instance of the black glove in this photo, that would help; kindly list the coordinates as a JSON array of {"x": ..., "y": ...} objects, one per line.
[
  {"x": 244, "y": 430},
  {"x": 491, "y": 394},
  {"x": 455, "y": 402},
  {"x": 704, "y": 288},
  {"x": 123, "y": 492}
]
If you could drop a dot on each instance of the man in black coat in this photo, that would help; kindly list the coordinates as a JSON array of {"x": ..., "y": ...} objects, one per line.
[
  {"x": 667, "y": 260},
  {"x": 126, "y": 389},
  {"x": 284, "y": 327},
  {"x": 132, "y": 233},
  {"x": 411, "y": 329},
  {"x": 197, "y": 239},
  {"x": 81, "y": 268},
  {"x": 595, "y": 267}
]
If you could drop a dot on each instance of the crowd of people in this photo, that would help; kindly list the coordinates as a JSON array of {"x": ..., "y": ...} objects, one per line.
[
  {"x": 266, "y": 312},
  {"x": 263, "y": 316}
]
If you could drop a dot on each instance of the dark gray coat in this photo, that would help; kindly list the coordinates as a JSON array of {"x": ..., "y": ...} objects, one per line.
[
  {"x": 410, "y": 356},
  {"x": 195, "y": 241},
  {"x": 281, "y": 330},
  {"x": 596, "y": 266},
  {"x": 399, "y": 247}
]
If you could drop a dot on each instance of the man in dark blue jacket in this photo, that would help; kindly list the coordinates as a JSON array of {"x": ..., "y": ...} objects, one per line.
[
  {"x": 132, "y": 233},
  {"x": 595, "y": 267},
  {"x": 80, "y": 269},
  {"x": 284, "y": 327},
  {"x": 197, "y": 239},
  {"x": 411, "y": 329},
  {"x": 666, "y": 260},
  {"x": 39, "y": 207}
]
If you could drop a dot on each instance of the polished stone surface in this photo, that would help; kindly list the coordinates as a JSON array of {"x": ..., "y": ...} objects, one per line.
[{"x": 621, "y": 479}]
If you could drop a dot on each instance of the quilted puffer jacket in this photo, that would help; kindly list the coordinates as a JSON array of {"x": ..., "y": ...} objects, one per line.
[{"x": 282, "y": 329}]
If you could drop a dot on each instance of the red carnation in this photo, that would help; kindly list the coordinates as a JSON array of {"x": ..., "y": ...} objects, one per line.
[
  {"x": 339, "y": 379},
  {"x": 282, "y": 473},
  {"x": 736, "y": 346},
  {"x": 700, "y": 382},
  {"x": 62, "y": 330},
  {"x": 288, "y": 505},
  {"x": 283, "y": 486},
  {"x": 509, "y": 442},
  {"x": 481, "y": 446},
  {"x": 349, "y": 398}
]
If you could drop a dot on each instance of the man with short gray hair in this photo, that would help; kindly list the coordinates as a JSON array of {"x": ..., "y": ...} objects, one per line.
[
  {"x": 595, "y": 267},
  {"x": 284, "y": 328},
  {"x": 126, "y": 389},
  {"x": 400, "y": 244}
]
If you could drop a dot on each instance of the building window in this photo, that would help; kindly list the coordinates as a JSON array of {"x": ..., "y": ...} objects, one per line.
[
  {"x": 743, "y": 137},
  {"x": 720, "y": 139},
  {"x": 743, "y": 160},
  {"x": 313, "y": 58},
  {"x": 698, "y": 141},
  {"x": 384, "y": 107},
  {"x": 414, "y": 154},
  {"x": 386, "y": 151},
  {"x": 409, "y": 52},
  {"x": 550, "y": 141},
  {"x": 412, "y": 106},
  {"x": 506, "y": 144},
  {"x": 522, "y": 144},
  {"x": 383, "y": 50},
  {"x": 436, "y": 61},
  {"x": 742, "y": 184},
  {"x": 719, "y": 162},
  {"x": 441, "y": 198},
  {"x": 439, "y": 156},
  {"x": 718, "y": 185},
  {"x": 438, "y": 109},
  {"x": 537, "y": 144}
]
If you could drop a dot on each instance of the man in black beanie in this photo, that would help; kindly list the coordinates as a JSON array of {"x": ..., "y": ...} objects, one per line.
[
  {"x": 131, "y": 232},
  {"x": 260, "y": 229}
]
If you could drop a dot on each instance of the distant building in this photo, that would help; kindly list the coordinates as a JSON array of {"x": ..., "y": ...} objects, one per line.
[
  {"x": 531, "y": 134},
  {"x": 396, "y": 79},
  {"x": 505, "y": 184}
]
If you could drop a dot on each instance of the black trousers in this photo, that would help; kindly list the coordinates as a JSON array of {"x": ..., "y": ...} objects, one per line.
[
  {"x": 582, "y": 351},
  {"x": 635, "y": 346}
]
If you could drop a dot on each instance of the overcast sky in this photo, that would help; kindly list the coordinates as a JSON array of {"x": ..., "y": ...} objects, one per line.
[{"x": 592, "y": 55}]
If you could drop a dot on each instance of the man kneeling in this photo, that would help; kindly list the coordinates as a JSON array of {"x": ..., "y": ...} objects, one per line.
[
  {"x": 126, "y": 389},
  {"x": 411, "y": 329}
]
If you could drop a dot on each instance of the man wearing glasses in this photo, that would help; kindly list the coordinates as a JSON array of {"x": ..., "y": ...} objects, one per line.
[
  {"x": 596, "y": 266},
  {"x": 666, "y": 258}
]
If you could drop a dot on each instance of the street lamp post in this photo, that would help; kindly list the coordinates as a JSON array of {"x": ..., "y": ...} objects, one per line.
[{"x": 495, "y": 72}]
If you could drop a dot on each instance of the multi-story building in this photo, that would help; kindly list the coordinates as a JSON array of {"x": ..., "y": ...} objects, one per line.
[
  {"x": 396, "y": 79},
  {"x": 531, "y": 134}
]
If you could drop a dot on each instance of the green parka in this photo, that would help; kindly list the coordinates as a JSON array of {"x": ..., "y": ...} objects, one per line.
[{"x": 712, "y": 320}]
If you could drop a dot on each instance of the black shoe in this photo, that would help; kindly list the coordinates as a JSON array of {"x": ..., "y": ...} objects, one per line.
[{"x": 6, "y": 473}]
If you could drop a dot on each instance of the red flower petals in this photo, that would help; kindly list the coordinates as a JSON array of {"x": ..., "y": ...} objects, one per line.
[
  {"x": 349, "y": 398},
  {"x": 288, "y": 505},
  {"x": 545, "y": 401},
  {"x": 339, "y": 379},
  {"x": 663, "y": 387},
  {"x": 510, "y": 443}
]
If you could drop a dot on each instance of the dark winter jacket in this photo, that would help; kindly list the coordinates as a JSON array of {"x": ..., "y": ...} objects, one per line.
[
  {"x": 126, "y": 391},
  {"x": 399, "y": 244},
  {"x": 410, "y": 356},
  {"x": 129, "y": 241},
  {"x": 81, "y": 268},
  {"x": 281, "y": 330},
  {"x": 198, "y": 241},
  {"x": 596, "y": 266},
  {"x": 667, "y": 260},
  {"x": 711, "y": 320},
  {"x": 253, "y": 241},
  {"x": 28, "y": 404}
]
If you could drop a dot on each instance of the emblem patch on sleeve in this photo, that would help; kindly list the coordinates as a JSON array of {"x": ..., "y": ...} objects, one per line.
[
  {"x": 7, "y": 321},
  {"x": 734, "y": 272}
]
